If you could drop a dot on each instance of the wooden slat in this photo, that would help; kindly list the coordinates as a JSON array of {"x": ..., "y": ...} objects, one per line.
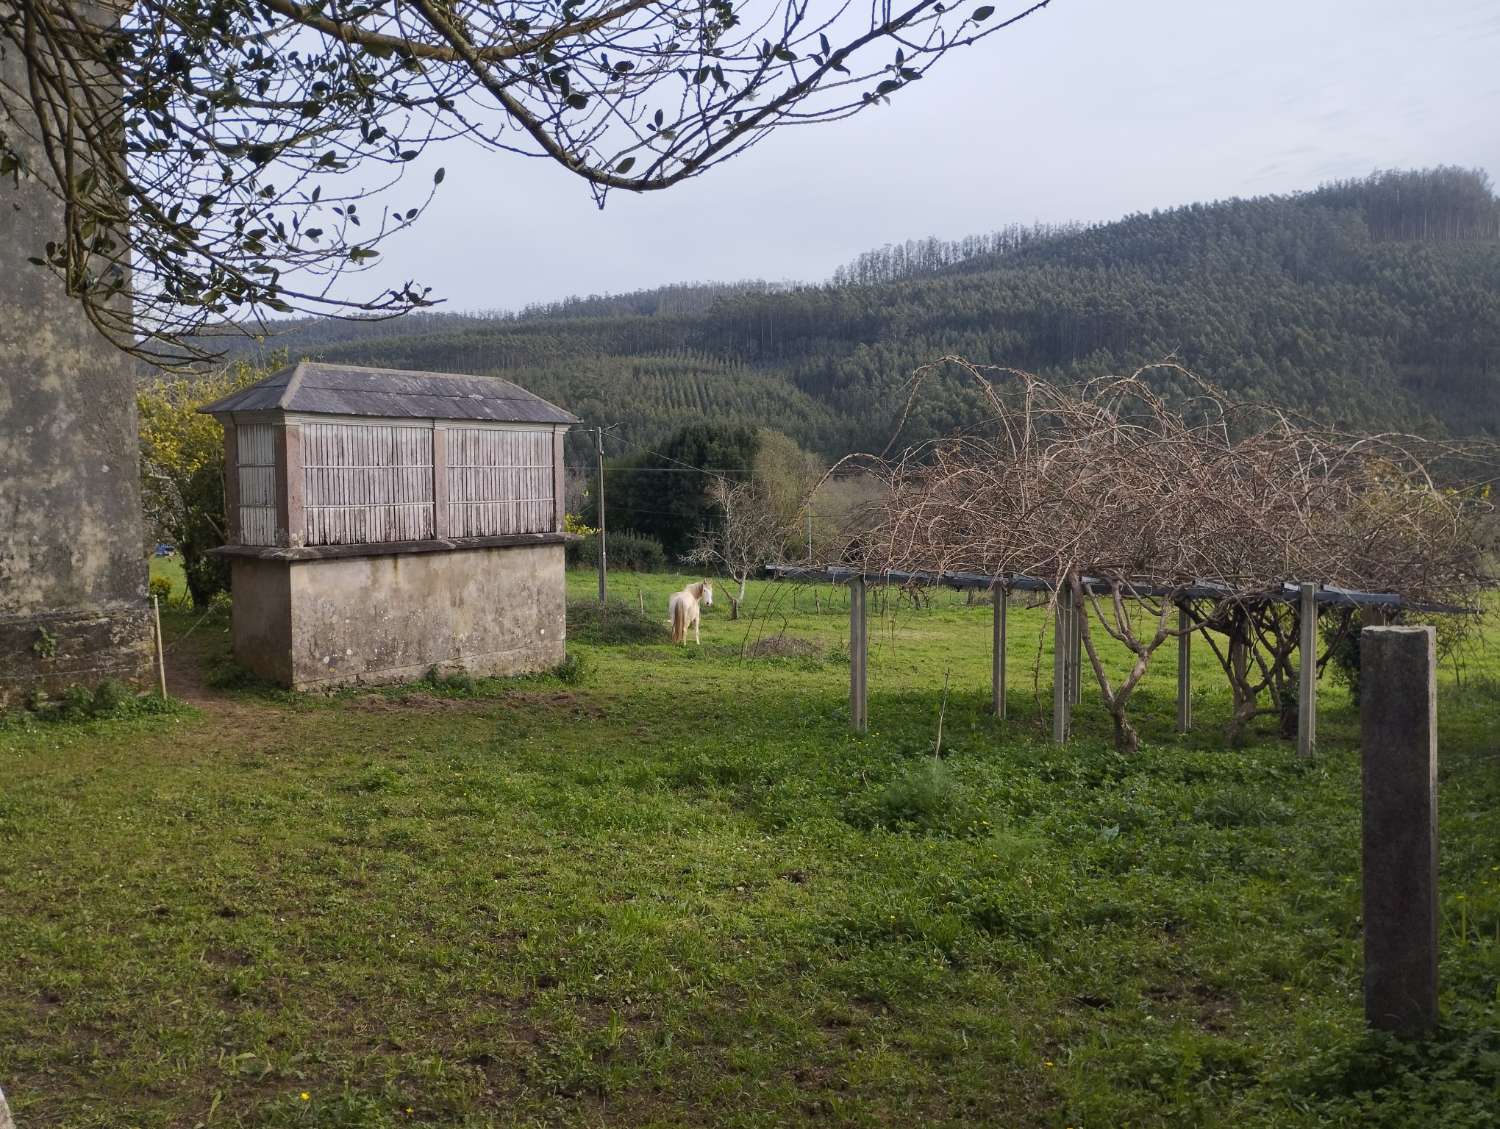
[
  {"x": 256, "y": 483},
  {"x": 367, "y": 483},
  {"x": 501, "y": 481}
]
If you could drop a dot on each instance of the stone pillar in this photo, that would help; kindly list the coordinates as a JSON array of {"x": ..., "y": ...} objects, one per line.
[
  {"x": 1398, "y": 743},
  {"x": 559, "y": 480},
  {"x": 73, "y": 605},
  {"x": 442, "y": 516},
  {"x": 291, "y": 509}
]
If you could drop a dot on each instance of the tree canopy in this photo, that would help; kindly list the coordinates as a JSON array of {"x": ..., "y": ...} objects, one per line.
[{"x": 253, "y": 131}]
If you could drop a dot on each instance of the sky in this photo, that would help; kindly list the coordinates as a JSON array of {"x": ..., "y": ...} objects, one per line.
[{"x": 1087, "y": 110}]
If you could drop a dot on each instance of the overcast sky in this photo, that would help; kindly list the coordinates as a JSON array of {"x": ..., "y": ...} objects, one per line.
[{"x": 1088, "y": 110}]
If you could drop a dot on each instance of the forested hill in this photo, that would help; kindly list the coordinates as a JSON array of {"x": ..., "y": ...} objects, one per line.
[{"x": 1372, "y": 303}]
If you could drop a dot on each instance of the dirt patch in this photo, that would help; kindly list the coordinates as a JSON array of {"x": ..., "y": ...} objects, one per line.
[
  {"x": 783, "y": 647},
  {"x": 420, "y": 704},
  {"x": 559, "y": 701},
  {"x": 1211, "y": 1009}
]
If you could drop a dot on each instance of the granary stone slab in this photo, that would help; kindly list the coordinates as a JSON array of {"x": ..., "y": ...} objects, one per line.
[
  {"x": 391, "y": 548},
  {"x": 72, "y": 552},
  {"x": 497, "y": 610}
]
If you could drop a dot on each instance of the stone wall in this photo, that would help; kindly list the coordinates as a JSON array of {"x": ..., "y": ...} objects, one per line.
[
  {"x": 72, "y": 564},
  {"x": 310, "y": 624}
]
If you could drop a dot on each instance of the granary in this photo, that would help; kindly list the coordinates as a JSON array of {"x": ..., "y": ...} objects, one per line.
[{"x": 383, "y": 523}]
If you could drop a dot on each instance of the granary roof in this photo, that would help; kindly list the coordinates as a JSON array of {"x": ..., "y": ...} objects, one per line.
[{"x": 351, "y": 390}]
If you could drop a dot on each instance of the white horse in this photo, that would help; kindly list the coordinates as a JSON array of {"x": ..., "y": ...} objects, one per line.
[{"x": 683, "y": 607}]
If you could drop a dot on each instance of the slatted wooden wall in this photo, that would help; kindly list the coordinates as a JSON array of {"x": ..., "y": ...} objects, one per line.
[
  {"x": 366, "y": 483},
  {"x": 371, "y": 482},
  {"x": 500, "y": 481},
  {"x": 257, "y": 473}
]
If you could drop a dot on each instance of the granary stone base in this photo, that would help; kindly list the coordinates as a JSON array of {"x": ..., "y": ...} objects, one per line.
[{"x": 385, "y": 616}]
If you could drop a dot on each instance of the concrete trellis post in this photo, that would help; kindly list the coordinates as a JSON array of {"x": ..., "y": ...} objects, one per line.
[
  {"x": 1184, "y": 670},
  {"x": 859, "y": 647},
  {"x": 1398, "y": 749},
  {"x": 1307, "y": 690},
  {"x": 997, "y": 653},
  {"x": 1075, "y": 647},
  {"x": 1061, "y": 648}
]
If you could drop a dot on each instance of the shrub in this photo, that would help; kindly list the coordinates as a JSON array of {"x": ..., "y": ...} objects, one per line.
[
  {"x": 628, "y": 550},
  {"x": 1343, "y": 655},
  {"x": 615, "y": 623},
  {"x": 108, "y": 700},
  {"x": 925, "y": 798},
  {"x": 573, "y": 670},
  {"x": 161, "y": 588},
  {"x": 458, "y": 684}
]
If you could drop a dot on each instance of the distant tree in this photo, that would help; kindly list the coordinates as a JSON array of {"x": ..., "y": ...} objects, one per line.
[
  {"x": 182, "y": 470},
  {"x": 786, "y": 474},
  {"x": 749, "y": 533},
  {"x": 202, "y": 150},
  {"x": 664, "y": 492}
]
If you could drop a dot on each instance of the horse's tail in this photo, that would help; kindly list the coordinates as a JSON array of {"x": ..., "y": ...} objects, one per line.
[{"x": 679, "y": 620}]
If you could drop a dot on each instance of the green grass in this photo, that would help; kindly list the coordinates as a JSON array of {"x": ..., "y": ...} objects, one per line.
[{"x": 679, "y": 891}]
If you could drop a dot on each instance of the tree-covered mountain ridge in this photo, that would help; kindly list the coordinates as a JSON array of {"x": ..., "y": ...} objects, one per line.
[{"x": 1372, "y": 303}]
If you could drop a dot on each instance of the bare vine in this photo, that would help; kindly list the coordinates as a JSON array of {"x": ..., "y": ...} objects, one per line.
[{"x": 1155, "y": 488}]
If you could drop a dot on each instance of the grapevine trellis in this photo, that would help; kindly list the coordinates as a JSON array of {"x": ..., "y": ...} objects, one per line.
[{"x": 1229, "y": 520}]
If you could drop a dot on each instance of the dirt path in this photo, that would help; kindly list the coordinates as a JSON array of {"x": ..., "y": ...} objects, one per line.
[
  {"x": 189, "y": 656},
  {"x": 187, "y": 660}
]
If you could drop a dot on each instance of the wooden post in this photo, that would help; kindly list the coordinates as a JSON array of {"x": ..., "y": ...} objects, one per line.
[
  {"x": 1184, "y": 670},
  {"x": 1398, "y": 752},
  {"x": 1060, "y": 708},
  {"x": 161, "y": 662},
  {"x": 859, "y": 645},
  {"x": 1307, "y": 672},
  {"x": 442, "y": 513},
  {"x": 997, "y": 654},
  {"x": 603, "y": 543}
]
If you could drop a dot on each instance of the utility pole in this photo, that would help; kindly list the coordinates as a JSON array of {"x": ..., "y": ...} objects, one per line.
[
  {"x": 603, "y": 552},
  {"x": 809, "y": 536}
]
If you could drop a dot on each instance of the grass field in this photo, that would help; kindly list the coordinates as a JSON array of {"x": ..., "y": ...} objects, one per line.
[{"x": 672, "y": 888}]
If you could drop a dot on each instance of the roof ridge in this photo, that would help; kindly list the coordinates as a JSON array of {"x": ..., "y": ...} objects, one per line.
[
  {"x": 293, "y": 383},
  {"x": 416, "y": 372}
]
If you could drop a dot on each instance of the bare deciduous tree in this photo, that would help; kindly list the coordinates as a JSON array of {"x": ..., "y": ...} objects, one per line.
[
  {"x": 203, "y": 152},
  {"x": 752, "y": 533}
]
